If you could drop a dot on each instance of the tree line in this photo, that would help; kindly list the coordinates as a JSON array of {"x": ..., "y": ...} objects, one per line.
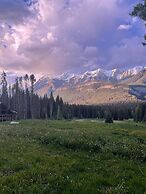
[{"x": 22, "y": 98}]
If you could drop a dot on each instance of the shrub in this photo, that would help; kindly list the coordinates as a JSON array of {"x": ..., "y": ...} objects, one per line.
[{"x": 108, "y": 117}]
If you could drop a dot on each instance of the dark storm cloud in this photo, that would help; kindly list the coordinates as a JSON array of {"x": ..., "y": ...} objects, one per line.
[{"x": 13, "y": 11}]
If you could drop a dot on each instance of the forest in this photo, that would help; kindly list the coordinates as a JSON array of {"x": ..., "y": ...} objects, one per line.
[{"x": 22, "y": 98}]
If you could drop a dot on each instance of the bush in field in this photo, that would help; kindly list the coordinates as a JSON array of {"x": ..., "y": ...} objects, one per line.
[{"x": 108, "y": 117}]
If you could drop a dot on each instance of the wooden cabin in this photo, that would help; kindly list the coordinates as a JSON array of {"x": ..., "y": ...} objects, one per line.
[{"x": 7, "y": 114}]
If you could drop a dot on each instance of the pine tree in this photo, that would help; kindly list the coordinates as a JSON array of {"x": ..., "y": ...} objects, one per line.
[
  {"x": 26, "y": 79},
  {"x": 140, "y": 11},
  {"x": 59, "y": 113},
  {"x": 26, "y": 99},
  {"x": 138, "y": 113},
  {"x": 4, "y": 95},
  {"x": 32, "y": 104},
  {"x": 51, "y": 103}
]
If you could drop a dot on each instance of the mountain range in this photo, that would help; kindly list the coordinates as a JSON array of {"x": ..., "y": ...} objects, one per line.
[{"x": 93, "y": 87}]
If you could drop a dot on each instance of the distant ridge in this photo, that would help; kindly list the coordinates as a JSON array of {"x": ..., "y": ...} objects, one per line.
[{"x": 93, "y": 87}]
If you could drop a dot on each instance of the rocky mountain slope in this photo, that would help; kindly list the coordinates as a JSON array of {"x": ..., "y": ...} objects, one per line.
[{"x": 93, "y": 87}]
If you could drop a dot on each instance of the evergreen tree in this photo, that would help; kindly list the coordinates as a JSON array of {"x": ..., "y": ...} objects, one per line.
[
  {"x": 138, "y": 113},
  {"x": 51, "y": 104},
  {"x": 144, "y": 117},
  {"x": 27, "y": 97},
  {"x": 140, "y": 11},
  {"x": 32, "y": 103},
  {"x": 59, "y": 113},
  {"x": 4, "y": 95},
  {"x": 26, "y": 79}
]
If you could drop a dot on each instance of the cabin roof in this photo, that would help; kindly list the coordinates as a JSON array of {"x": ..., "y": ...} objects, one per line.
[{"x": 4, "y": 110}]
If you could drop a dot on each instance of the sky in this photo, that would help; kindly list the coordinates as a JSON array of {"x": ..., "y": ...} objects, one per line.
[{"x": 56, "y": 36}]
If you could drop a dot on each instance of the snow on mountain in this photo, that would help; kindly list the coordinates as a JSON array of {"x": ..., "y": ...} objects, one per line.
[
  {"x": 131, "y": 72},
  {"x": 94, "y": 76},
  {"x": 98, "y": 75},
  {"x": 46, "y": 81},
  {"x": 102, "y": 75},
  {"x": 66, "y": 76}
]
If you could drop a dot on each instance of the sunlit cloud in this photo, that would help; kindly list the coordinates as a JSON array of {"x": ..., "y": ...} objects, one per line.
[
  {"x": 50, "y": 37},
  {"x": 124, "y": 27}
]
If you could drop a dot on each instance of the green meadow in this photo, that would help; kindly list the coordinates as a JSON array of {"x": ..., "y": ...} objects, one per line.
[{"x": 72, "y": 157}]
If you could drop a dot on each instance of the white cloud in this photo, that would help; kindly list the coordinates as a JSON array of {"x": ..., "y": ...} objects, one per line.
[
  {"x": 61, "y": 35},
  {"x": 124, "y": 27}
]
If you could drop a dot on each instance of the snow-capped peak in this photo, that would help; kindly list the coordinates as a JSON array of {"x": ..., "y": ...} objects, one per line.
[
  {"x": 66, "y": 76},
  {"x": 131, "y": 72},
  {"x": 97, "y": 75}
]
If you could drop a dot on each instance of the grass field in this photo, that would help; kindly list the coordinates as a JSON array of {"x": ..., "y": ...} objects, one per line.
[{"x": 72, "y": 157}]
